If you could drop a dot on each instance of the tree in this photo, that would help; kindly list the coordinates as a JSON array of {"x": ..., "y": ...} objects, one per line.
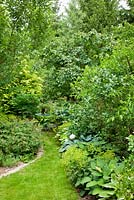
[
  {"x": 106, "y": 95},
  {"x": 129, "y": 14},
  {"x": 93, "y": 14},
  {"x": 25, "y": 28}
]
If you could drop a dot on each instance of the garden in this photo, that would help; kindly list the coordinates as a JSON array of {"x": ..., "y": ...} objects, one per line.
[{"x": 67, "y": 91}]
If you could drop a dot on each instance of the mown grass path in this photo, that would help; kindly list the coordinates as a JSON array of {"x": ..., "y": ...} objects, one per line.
[{"x": 43, "y": 180}]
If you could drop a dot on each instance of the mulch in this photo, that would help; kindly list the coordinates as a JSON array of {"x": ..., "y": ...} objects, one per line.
[{"x": 89, "y": 197}]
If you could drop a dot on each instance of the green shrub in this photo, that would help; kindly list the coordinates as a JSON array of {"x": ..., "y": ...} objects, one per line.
[
  {"x": 25, "y": 105},
  {"x": 66, "y": 58},
  {"x": 95, "y": 170},
  {"x": 97, "y": 179},
  {"x": 130, "y": 139},
  {"x": 22, "y": 95},
  {"x": 91, "y": 173},
  {"x": 62, "y": 132},
  {"x": 74, "y": 161},
  {"x": 124, "y": 181},
  {"x": 53, "y": 114},
  {"x": 106, "y": 95},
  {"x": 20, "y": 140}
]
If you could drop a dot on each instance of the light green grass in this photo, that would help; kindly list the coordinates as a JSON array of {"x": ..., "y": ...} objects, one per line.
[{"x": 43, "y": 180}]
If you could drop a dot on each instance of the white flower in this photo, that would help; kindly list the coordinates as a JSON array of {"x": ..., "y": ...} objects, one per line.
[{"x": 72, "y": 137}]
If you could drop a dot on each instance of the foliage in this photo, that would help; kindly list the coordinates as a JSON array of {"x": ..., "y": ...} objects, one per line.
[
  {"x": 96, "y": 170},
  {"x": 123, "y": 181},
  {"x": 25, "y": 27},
  {"x": 76, "y": 75},
  {"x": 62, "y": 132},
  {"x": 92, "y": 175},
  {"x": 66, "y": 57},
  {"x": 30, "y": 20},
  {"x": 74, "y": 161},
  {"x": 106, "y": 98},
  {"x": 57, "y": 82},
  {"x": 22, "y": 95},
  {"x": 5, "y": 57},
  {"x": 123, "y": 33},
  {"x": 128, "y": 14},
  {"x": 131, "y": 143},
  {"x": 100, "y": 175},
  {"x": 68, "y": 139},
  {"x": 101, "y": 169},
  {"x": 93, "y": 14},
  {"x": 20, "y": 140},
  {"x": 53, "y": 114}
]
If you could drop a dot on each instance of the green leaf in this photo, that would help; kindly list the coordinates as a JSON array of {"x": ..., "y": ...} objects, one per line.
[
  {"x": 82, "y": 192},
  {"x": 91, "y": 184},
  {"x": 98, "y": 169},
  {"x": 85, "y": 180},
  {"x": 77, "y": 183},
  {"x": 106, "y": 193},
  {"x": 109, "y": 185},
  {"x": 93, "y": 164},
  {"x": 95, "y": 173},
  {"x": 97, "y": 190},
  {"x": 105, "y": 177},
  {"x": 100, "y": 181}
]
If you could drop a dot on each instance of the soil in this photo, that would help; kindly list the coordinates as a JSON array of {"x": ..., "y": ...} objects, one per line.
[
  {"x": 4, "y": 170},
  {"x": 88, "y": 197}
]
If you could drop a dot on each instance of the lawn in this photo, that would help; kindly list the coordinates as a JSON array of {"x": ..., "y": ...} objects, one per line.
[{"x": 43, "y": 180}]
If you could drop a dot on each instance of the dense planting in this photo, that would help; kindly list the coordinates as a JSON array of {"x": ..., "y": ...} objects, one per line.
[
  {"x": 74, "y": 74},
  {"x": 20, "y": 140},
  {"x": 99, "y": 172}
]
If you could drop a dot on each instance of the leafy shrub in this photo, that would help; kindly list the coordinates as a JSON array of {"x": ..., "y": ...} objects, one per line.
[
  {"x": 68, "y": 139},
  {"x": 75, "y": 161},
  {"x": 22, "y": 95},
  {"x": 57, "y": 82},
  {"x": 131, "y": 143},
  {"x": 123, "y": 181},
  {"x": 20, "y": 140},
  {"x": 53, "y": 114},
  {"x": 99, "y": 180},
  {"x": 106, "y": 98},
  {"x": 91, "y": 173},
  {"x": 66, "y": 58},
  {"x": 62, "y": 132},
  {"x": 25, "y": 105},
  {"x": 95, "y": 170}
]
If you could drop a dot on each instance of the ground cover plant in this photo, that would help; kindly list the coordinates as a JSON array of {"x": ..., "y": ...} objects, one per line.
[
  {"x": 22, "y": 95},
  {"x": 99, "y": 172},
  {"x": 20, "y": 140}
]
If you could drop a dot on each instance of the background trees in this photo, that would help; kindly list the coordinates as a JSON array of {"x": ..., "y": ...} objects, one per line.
[
  {"x": 26, "y": 27},
  {"x": 93, "y": 14}
]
